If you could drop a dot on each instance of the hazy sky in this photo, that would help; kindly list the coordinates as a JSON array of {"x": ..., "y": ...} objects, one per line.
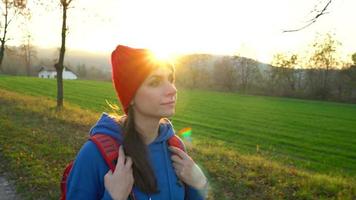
[{"x": 251, "y": 28}]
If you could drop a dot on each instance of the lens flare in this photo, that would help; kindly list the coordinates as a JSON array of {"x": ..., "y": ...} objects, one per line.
[{"x": 185, "y": 134}]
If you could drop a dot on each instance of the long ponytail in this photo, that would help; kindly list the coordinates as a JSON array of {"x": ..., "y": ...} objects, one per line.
[{"x": 143, "y": 173}]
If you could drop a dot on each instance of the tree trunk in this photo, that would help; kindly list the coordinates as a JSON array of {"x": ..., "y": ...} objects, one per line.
[
  {"x": 2, "y": 51},
  {"x": 3, "y": 39},
  {"x": 59, "y": 65},
  {"x": 59, "y": 89},
  {"x": 28, "y": 57}
]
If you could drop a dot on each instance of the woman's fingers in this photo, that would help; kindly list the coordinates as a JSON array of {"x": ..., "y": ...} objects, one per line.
[
  {"x": 179, "y": 152},
  {"x": 120, "y": 183},
  {"x": 121, "y": 159},
  {"x": 177, "y": 159},
  {"x": 177, "y": 166},
  {"x": 128, "y": 163}
]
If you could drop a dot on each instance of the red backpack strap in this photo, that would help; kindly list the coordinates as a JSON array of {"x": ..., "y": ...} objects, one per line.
[
  {"x": 64, "y": 180},
  {"x": 108, "y": 147},
  {"x": 176, "y": 142}
]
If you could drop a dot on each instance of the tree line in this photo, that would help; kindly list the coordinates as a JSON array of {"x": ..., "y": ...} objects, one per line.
[{"x": 320, "y": 74}]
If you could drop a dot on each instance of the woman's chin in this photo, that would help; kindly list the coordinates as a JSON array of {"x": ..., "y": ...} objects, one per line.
[{"x": 168, "y": 113}]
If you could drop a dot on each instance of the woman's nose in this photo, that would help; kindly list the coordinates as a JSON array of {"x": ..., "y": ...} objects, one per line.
[{"x": 171, "y": 89}]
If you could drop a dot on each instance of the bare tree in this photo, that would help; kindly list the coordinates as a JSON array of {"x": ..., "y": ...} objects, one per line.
[
  {"x": 284, "y": 74},
  {"x": 28, "y": 53},
  {"x": 317, "y": 12},
  {"x": 10, "y": 10},
  {"x": 193, "y": 71},
  {"x": 247, "y": 71},
  {"x": 225, "y": 73},
  {"x": 82, "y": 71},
  {"x": 59, "y": 65},
  {"x": 322, "y": 61}
]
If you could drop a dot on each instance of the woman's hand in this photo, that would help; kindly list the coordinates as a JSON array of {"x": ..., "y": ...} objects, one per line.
[
  {"x": 187, "y": 170},
  {"x": 119, "y": 183}
]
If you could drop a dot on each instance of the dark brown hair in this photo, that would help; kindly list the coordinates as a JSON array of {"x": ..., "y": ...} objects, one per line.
[{"x": 134, "y": 147}]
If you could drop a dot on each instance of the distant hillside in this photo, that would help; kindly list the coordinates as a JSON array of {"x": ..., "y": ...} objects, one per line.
[
  {"x": 77, "y": 57},
  {"x": 102, "y": 60},
  {"x": 97, "y": 66}
]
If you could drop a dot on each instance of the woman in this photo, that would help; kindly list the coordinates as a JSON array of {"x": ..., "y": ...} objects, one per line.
[{"x": 146, "y": 166}]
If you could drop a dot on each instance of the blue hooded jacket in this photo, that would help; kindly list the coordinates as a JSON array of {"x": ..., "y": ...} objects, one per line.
[{"x": 86, "y": 179}]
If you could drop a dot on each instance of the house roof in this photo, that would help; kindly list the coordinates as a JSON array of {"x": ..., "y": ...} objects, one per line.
[
  {"x": 52, "y": 69},
  {"x": 46, "y": 68}
]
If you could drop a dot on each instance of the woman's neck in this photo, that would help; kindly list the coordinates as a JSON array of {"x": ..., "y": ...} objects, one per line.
[{"x": 148, "y": 127}]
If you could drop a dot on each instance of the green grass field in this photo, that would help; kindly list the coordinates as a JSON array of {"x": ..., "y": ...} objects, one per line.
[
  {"x": 253, "y": 147},
  {"x": 314, "y": 135}
]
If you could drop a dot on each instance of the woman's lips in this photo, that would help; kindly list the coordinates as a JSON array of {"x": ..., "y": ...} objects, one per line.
[{"x": 169, "y": 103}]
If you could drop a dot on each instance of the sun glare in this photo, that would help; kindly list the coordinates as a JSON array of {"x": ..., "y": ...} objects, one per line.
[{"x": 162, "y": 54}]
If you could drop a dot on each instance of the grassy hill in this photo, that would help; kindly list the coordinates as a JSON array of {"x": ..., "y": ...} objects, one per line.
[{"x": 252, "y": 147}]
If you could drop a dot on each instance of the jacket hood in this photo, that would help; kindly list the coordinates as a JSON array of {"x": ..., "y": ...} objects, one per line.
[{"x": 107, "y": 125}]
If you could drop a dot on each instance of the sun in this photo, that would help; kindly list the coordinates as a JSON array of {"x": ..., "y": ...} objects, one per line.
[
  {"x": 163, "y": 56},
  {"x": 162, "y": 53}
]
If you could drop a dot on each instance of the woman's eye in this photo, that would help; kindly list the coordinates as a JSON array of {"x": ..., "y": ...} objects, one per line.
[
  {"x": 171, "y": 79},
  {"x": 154, "y": 83}
]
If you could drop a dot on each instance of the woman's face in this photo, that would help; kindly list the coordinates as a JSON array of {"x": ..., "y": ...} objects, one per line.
[{"x": 156, "y": 97}]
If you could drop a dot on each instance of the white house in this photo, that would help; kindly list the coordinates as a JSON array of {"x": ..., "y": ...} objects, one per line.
[{"x": 50, "y": 72}]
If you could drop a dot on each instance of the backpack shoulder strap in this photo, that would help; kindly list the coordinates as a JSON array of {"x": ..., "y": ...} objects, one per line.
[
  {"x": 64, "y": 180},
  {"x": 108, "y": 147},
  {"x": 176, "y": 142}
]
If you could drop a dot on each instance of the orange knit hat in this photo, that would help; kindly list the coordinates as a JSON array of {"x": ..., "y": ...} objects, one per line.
[{"x": 130, "y": 67}]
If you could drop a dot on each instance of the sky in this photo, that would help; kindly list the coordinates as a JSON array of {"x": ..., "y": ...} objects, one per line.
[{"x": 251, "y": 28}]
